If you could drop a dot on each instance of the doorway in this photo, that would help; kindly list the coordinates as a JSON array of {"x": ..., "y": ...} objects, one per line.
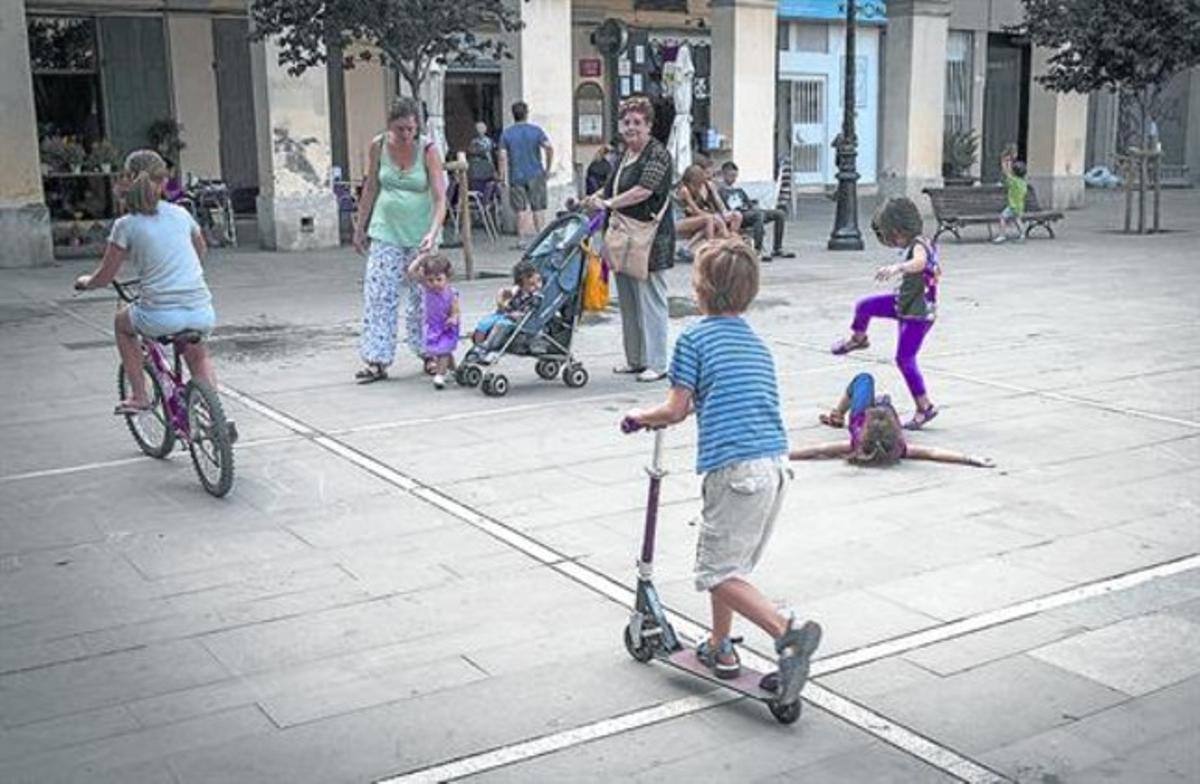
[
  {"x": 1005, "y": 102},
  {"x": 804, "y": 104},
  {"x": 235, "y": 111},
  {"x": 471, "y": 97}
]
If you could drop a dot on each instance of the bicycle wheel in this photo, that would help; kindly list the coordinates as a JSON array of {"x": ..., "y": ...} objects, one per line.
[
  {"x": 210, "y": 445},
  {"x": 151, "y": 429}
]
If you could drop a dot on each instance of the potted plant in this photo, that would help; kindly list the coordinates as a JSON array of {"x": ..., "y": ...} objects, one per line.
[
  {"x": 958, "y": 156},
  {"x": 164, "y": 135},
  {"x": 54, "y": 154},
  {"x": 74, "y": 155},
  {"x": 104, "y": 156}
]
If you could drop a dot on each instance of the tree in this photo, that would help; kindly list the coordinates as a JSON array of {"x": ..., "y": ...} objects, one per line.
[
  {"x": 409, "y": 35},
  {"x": 1132, "y": 47}
]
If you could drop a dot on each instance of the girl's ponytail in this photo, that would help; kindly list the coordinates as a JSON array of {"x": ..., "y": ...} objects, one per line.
[{"x": 146, "y": 173}]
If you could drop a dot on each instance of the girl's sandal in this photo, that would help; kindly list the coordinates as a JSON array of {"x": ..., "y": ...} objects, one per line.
[
  {"x": 923, "y": 417},
  {"x": 370, "y": 374},
  {"x": 852, "y": 343},
  {"x": 430, "y": 366},
  {"x": 126, "y": 408},
  {"x": 835, "y": 419}
]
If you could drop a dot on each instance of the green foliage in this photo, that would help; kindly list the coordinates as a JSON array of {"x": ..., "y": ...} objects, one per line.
[
  {"x": 959, "y": 152},
  {"x": 1130, "y": 46},
  {"x": 104, "y": 153},
  {"x": 408, "y": 34}
]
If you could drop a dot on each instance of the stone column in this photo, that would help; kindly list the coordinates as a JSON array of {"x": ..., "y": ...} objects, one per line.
[
  {"x": 24, "y": 219},
  {"x": 915, "y": 85},
  {"x": 541, "y": 75},
  {"x": 744, "y": 82},
  {"x": 296, "y": 206},
  {"x": 1057, "y": 141}
]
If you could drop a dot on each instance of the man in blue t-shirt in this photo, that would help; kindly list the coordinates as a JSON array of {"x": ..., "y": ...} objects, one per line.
[{"x": 521, "y": 167}]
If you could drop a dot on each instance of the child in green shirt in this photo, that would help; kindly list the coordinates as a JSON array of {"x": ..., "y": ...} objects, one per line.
[{"x": 1014, "y": 182}]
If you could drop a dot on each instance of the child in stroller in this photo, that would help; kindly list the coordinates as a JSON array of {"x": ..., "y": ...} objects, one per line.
[{"x": 542, "y": 326}]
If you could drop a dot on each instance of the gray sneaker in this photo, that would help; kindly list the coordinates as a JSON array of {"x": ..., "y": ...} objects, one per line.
[
  {"x": 718, "y": 660},
  {"x": 795, "y": 649}
]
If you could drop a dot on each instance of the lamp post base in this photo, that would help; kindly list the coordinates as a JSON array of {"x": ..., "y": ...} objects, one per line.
[{"x": 845, "y": 234}]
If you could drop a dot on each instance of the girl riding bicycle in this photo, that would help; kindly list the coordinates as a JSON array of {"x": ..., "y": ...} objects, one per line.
[{"x": 165, "y": 245}]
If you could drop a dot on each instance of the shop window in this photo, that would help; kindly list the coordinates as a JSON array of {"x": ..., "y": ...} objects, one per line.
[
  {"x": 66, "y": 77},
  {"x": 783, "y": 36},
  {"x": 812, "y": 38}
]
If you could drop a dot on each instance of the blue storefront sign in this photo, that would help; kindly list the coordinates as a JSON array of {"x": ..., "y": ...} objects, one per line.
[{"x": 868, "y": 10}]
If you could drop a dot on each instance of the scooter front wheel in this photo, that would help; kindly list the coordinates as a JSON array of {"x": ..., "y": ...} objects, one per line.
[
  {"x": 785, "y": 714},
  {"x": 643, "y": 652}
]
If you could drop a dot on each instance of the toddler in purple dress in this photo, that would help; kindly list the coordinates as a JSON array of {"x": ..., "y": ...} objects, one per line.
[{"x": 441, "y": 313}]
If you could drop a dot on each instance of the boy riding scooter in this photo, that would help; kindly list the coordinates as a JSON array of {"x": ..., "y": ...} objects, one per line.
[{"x": 723, "y": 369}]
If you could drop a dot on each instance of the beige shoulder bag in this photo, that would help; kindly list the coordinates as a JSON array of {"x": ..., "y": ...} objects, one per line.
[{"x": 629, "y": 239}]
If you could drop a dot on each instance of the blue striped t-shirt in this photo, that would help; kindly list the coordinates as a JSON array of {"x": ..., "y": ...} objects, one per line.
[{"x": 731, "y": 375}]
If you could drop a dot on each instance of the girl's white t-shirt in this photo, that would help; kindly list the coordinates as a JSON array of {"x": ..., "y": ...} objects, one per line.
[{"x": 161, "y": 251}]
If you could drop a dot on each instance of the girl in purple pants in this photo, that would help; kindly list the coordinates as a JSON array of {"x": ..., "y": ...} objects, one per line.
[{"x": 898, "y": 224}]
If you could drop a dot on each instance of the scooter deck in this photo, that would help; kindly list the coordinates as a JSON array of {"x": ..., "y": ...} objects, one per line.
[{"x": 746, "y": 682}]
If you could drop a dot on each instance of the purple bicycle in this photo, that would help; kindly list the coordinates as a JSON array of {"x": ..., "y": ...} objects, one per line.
[{"x": 183, "y": 410}]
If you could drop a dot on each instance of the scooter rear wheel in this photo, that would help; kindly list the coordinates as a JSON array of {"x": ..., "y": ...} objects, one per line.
[
  {"x": 643, "y": 652},
  {"x": 785, "y": 714}
]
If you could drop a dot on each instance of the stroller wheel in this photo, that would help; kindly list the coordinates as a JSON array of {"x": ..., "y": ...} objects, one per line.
[
  {"x": 468, "y": 375},
  {"x": 499, "y": 385},
  {"x": 575, "y": 376},
  {"x": 547, "y": 369}
]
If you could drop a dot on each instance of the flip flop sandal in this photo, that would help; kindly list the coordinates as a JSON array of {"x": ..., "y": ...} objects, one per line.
[
  {"x": 921, "y": 418},
  {"x": 370, "y": 374},
  {"x": 835, "y": 419},
  {"x": 849, "y": 344},
  {"x": 430, "y": 366},
  {"x": 125, "y": 408}
]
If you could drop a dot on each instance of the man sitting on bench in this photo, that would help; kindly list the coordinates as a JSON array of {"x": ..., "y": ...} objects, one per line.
[{"x": 754, "y": 218}]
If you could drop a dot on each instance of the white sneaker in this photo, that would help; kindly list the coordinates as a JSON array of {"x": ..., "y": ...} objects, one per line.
[
  {"x": 439, "y": 381},
  {"x": 999, "y": 239},
  {"x": 650, "y": 375}
]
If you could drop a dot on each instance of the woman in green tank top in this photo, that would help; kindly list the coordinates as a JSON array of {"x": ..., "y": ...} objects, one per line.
[{"x": 400, "y": 213}]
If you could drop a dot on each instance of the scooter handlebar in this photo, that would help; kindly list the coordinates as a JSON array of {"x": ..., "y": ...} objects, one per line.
[{"x": 631, "y": 425}]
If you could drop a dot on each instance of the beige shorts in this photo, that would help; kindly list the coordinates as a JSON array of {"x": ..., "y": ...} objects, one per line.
[
  {"x": 741, "y": 502},
  {"x": 529, "y": 195}
]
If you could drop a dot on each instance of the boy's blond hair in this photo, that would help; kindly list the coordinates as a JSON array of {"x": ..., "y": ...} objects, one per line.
[{"x": 726, "y": 276}]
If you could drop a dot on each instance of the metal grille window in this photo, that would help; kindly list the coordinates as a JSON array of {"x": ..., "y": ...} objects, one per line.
[{"x": 959, "y": 77}]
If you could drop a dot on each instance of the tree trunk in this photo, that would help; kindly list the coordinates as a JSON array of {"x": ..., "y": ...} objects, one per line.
[{"x": 1142, "y": 164}]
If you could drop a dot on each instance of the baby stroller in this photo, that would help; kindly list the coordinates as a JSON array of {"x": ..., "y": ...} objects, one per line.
[{"x": 547, "y": 329}]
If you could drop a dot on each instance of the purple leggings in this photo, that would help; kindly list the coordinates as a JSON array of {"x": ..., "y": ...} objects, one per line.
[{"x": 912, "y": 333}]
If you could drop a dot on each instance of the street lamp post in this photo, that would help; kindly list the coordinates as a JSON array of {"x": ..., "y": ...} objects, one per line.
[{"x": 845, "y": 235}]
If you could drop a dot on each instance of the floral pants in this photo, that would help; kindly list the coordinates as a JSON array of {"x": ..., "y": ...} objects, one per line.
[{"x": 385, "y": 286}]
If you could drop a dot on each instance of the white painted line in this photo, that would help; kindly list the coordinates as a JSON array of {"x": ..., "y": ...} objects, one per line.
[
  {"x": 906, "y": 740},
  {"x": 548, "y": 744},
  {"x": 278, "y": 417},
  {"x": 889, "y": 732},
  {"x": 480, "y": 413},
  {"x": 974, "y": 623}
]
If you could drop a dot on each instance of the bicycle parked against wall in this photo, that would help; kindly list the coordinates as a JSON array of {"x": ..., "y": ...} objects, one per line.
[{"x": 184, "y": 410}]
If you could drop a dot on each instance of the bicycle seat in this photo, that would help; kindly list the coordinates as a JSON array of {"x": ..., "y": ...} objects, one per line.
[{"x": 186, "y": 336}]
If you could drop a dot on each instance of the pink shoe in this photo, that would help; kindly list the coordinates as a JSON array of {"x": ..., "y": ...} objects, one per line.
[{"x": 852, "y": 343}]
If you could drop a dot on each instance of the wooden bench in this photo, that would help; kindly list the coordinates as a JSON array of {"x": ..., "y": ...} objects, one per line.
[{"x": 956, "y": 208}]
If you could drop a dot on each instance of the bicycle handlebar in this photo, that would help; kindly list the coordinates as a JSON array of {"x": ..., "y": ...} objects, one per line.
[{"x": 123, "y": 287}]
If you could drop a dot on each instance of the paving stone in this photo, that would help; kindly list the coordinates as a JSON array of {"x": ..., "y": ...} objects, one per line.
[
  {"x": 876, "y": 763},
  {"x": 1149, "y": 597},
  {"x": 1023, "y": 697},
  {"x": 1143, "y": 720},
  {"x": 1172, "y": 759},
  {"x": 1056, "y": 755},
  {"x": 1137, "y": 656},
  {"x": 1092, "y": 556},
  {"x": 997, "y": 642},
  {"x": 65, "y": 731},
  {"x": 133, "y": 753},
  {"x": 97, "y": 681},
  {"x": 958, "y": 591},
  {"x": 879, "y": 677}
]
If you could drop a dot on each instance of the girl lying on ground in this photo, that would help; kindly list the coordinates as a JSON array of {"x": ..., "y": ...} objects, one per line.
[{"x": 876, "y": 437}]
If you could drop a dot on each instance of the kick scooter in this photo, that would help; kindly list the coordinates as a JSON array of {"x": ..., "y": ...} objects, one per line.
[{"x": 650, "y": 636}]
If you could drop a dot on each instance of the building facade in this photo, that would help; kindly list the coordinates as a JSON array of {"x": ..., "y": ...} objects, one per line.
[{"x": 769, "y": 77}]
